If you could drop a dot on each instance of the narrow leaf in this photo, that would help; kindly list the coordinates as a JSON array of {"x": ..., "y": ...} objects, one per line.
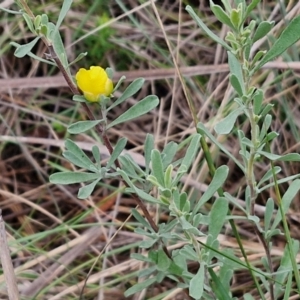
[
  {"x": 149, "y": 146},
  {"x": 218, "y": 288},
  {"x": 286, "y": 200},
  {"x": 82, "y": 126},
  {"x": 202, "y": 128},
  {"x": 217, "y": 181},
  {"x": 197, "y": 283},
  {"x": 262, "y": 30},
  {"x": 163, "y": 261},
  {"x": 220, "y": 14},
  {"x": 86, "y": 191},
  {"x": 139, "y": 109},
  {"x": 268, "y": 213},
  {"x": 117, "y": 151},
  {"x": 22, "y": 50},
  {"x": 225, "y": 126},
  {"x": 200, "y": 23},
  {"x": 133, "y": 88},
  {"x": 288, "y": 37},
  {"x": 268, "y": 175},
  {"x": 168, "y": 154},
  {"x": 217, "y": 217},
  {"x": 64, "y": 10},
  {"x": 139, "y": 286},
  {"x": 251, "y": 6},
  {"x": 81, "y": 156},
  {"x": 157, "y": 167},
  {"x": 191, "y": 151},
  {"x": 72, "y": 177},
  {"x": 236, "y": 84}
]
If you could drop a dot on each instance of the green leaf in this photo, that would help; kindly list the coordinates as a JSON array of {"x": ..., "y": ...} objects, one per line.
[
  {"x": 287, "y": 157},
  {"x": 258, "y": 100},
  {"x": 163, "y": 261},
  {"x": 78, "y": 98},
  {"x": 72, "y": 177},
  {"x": 268, "y": 175},
  {"x": 30, "y": 54},
  {"x": 288, "y": 37},
  {"x": 201, "y": 128},
  {"x": 266, "y": 109},
  {"x": 235, "y": 17},
  {"x": 133, "y": 88},
  {"x": 78, "y": 58},
  {"x": 217, "y": 181},
  {"x": 217, "y": 217},
  {"x": 187, "y": 226},
  {"x": 262, "y": 30},
  {"x": 290, "y": 157},
  {"x": 157, "y": 167},
  {"x": 119, "y": 147},
  {"x": 236, "y": 84},
  {"x": 22, "y": 50},
  {"x": 11, "y": 11},
  {"x": 250, "y": 7},
  {"x": 77, "y": 161},
  {"x": 225, "y": 126},
  {"x": 197, "y": 283},
  {"x": 139, "y": 192},
  {"x": 149, "y": 146},
  {"x": 96, "y": 154},
  {"x": 64, "y": 10},
  {"x": 200, "y": 23},
  {"x": 286, "y": 200},
  {"x": 168, "y": 154},
  {"x": 141, "y": 219},
  {"x": 117, "y": 86},
  {"x": 191, "y": 151},
  {"x": 139, "y": 109},
  {"x": 79, "y": 158},
  {"x": 220, "y": 14},
  {"x": 139, "y": 286},
  {"x": 59, "y": 48},
  {"x": 217, "y": 286},
  {"x": 29, "y": 22},
  {"x": 82, "y": 126},
  {"x": 86, "y": 191},
  {"x": 268, "y": 213},
  {"x": 236, "y": 69}
]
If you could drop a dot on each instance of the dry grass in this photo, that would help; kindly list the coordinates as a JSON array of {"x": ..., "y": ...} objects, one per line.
[{"x": 55, "y": 239}]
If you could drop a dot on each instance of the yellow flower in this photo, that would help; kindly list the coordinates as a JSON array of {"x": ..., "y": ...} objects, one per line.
[{"x": 94, "y": 83}]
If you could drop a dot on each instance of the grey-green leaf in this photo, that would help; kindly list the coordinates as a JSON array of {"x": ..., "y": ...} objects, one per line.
[
  {"x": 133, "y": 88},
  {"x": 22, "y": 50},
  {"x": 200, "y": 23},
  {"x": 72, "y": 177},
  {"x": 117, "y": 151},
  {"x": 220, "y": 14},
  {"x": 157, "y": 167},
  {"x": 139, "y": 109},
  {"x": 288, "y": 37},
  {"x": 82, "y": 158},
  {"x": 217, "y": 181},
  {"x": 217, "y": 216},
  {"x": 139, "y": 286},
  {"x": 82, "y": 126},
  {"x": 225, "y": 126},
  {"x": 197, "y": 283},
  {"x": 262, "y": 30},
  {"x": 63, "y": 11},
  {"x": 85, "y": 191},
  {"x": 286, "y": 200}
]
